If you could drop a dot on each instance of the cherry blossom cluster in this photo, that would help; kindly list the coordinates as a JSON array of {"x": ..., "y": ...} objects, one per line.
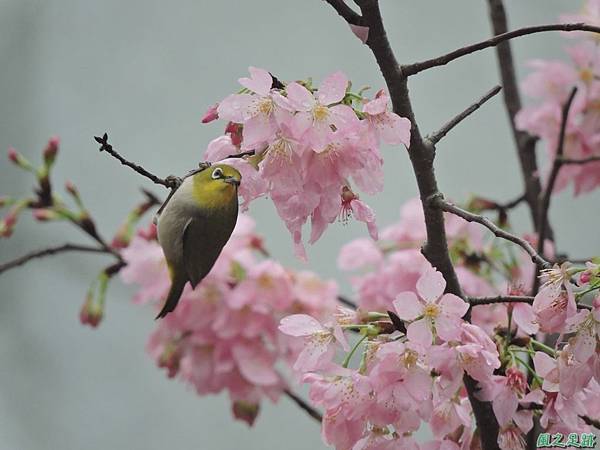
[
  {"x": 550, "y": 84},
  {"x": 381, "y": 270},
  {"x": 313, "y": 147},
  {"x": 223, "y": 335},
  {"x": 414, "y": 375}
]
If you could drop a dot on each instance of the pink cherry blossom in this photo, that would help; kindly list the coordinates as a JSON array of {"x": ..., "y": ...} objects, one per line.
[
  {"x": 146, "y": 266},
  {"x": 316, "y": 113},
  {"x": 320, "y": 341},
  {"x": 431, "y": 312},
  {"x": 388, "y": 126}
]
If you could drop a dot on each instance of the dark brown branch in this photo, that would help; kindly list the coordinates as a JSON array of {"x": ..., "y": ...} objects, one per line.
[
  {"x": 343, "y": 300},
  {"x": 544, "y": 203},
  {"x": 49, "y": 252},
  {"x": 417, "y": 67},
  {"x": 444, "y": 205},
  {"x": 524, "y": 142},
  {"x": 475, "y": 301},
  {"x": 242, "y": 154},
  {"x": 435, "y": 137},
  {"x": 312, "y": 412},
  {"x": 349, "y": 15},
  {"x": 591, "y": 422},
  {"x": 580, "y": 161},
  {"x": 169, "y": 182},
  {"x": 422, "y": 155}
]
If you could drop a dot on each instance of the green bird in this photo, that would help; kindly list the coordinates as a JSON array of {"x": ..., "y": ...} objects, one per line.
[{"x": 195, "y": 224}]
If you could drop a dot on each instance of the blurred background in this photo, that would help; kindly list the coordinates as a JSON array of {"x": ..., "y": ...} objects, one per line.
[{"x": 145, "y": 71}]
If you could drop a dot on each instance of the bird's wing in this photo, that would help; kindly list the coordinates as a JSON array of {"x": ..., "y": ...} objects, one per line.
[{"x": 203, "y": 241}]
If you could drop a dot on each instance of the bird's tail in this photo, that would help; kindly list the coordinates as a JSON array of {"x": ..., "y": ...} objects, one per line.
[{"x": 173, "y": 298}]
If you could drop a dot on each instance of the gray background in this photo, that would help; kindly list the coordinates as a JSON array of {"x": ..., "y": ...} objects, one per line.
[{"x": 146, "y": 72}]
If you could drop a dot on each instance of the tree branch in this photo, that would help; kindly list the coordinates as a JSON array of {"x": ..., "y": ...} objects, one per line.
[
  {"x": 343, "y": 300},
  {"x": 422, "y": 155},
  {"x": 591, "y": 422},
  {"x": 412, "y": 69},
  {"x": 580, "y": 161},
  {"x": 476, "y": 301},
  {"x": 544, "y": 203},
  {"x": 48, "y": 252},
  {"x": 349, "y": 15},
  {"x": 170, "y": 182},
  {"x": 312, "y": 412},
  {"x": 439, "y": 202},
  {"x": 446, "y": 128},
  {"x": 524, "y": 142}
]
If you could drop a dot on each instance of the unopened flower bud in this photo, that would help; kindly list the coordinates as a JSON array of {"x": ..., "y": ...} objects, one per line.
[
  {"x": 19, "y": 160},
  {"x": 51, "y": 150},
  {"x": 44, "y": 214},
  {"x": 585, "y": 277},
  {"x": 71, "y": 189},
  {"x": 235, "y": 132},
  {"x": 7, "y": 224},
  {"x": 122, "y": 237},
  {"x": 245, "y": 411},
  {"x": 211, "y": 114},
  {"x": 91, "y": 312},
  {"x": 150, "y": 233}
]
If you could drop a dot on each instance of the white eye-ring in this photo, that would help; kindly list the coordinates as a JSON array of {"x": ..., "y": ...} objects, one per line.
[{"x": 217, "y": 173}]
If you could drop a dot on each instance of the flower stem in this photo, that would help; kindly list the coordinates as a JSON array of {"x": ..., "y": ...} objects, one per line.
[{"x": 349, "y": 355}]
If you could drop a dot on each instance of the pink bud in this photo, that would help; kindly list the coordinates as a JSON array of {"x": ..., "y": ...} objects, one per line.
[
  {"x": 51, "y": 150},
  {"x": 13, "y": 155},
  {"x": 91, "y": 312},
  {"x": 235, "y": 132},
  {"x": 10, "y": 219},
  {"x": 43, "y": 214},
  {"x": 71, "y": 189},
  {"x": 211, "y": 114},
  {"x": 585, "y": 277},
  {"x": 596, "y": 302},
  {"x": 150, "y": 233}
]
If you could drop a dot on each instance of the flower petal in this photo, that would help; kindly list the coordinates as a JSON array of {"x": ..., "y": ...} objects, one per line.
[
  {"x": 300, "y": 325},
  {"x": 408, "y": 306},
  {"x": 333, "y": 88},
  {"x": 431, "y": 285}
]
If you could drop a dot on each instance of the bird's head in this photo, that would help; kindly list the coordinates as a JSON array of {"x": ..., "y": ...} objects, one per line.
[{"x": 216, "y": 185}]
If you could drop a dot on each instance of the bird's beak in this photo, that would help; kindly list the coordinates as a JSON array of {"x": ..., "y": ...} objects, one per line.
[{"x": 232, "y": 180}]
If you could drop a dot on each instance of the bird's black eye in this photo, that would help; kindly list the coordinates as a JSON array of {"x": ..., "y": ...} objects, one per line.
[{"x": 217, "y": 173}]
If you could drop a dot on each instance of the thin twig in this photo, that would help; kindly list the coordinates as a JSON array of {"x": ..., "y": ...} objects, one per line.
[
  {"x": 446, "y": 128},
  {"x": 349, "y": 15},
  {"x": 169, "y": 182},
  {"x": 475, "y": 301},
  {"x": 439, "y": 202},
  {"x": 343, "y": 300},
  {"x": 591, "y": 422},
  {"x": 422, "y": 155},
  {"x": 312, "y": 412},
  {"x": 580, "y": 161},
  {"x": 525, "y": 143},
  {"x": 544, "y": 204},
  {"x": 412, "y": 69},
  {"x": 48, "y": 252}
]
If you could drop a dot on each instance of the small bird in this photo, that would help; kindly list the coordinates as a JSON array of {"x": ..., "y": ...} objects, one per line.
[{"x": 195, "y": 224}]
